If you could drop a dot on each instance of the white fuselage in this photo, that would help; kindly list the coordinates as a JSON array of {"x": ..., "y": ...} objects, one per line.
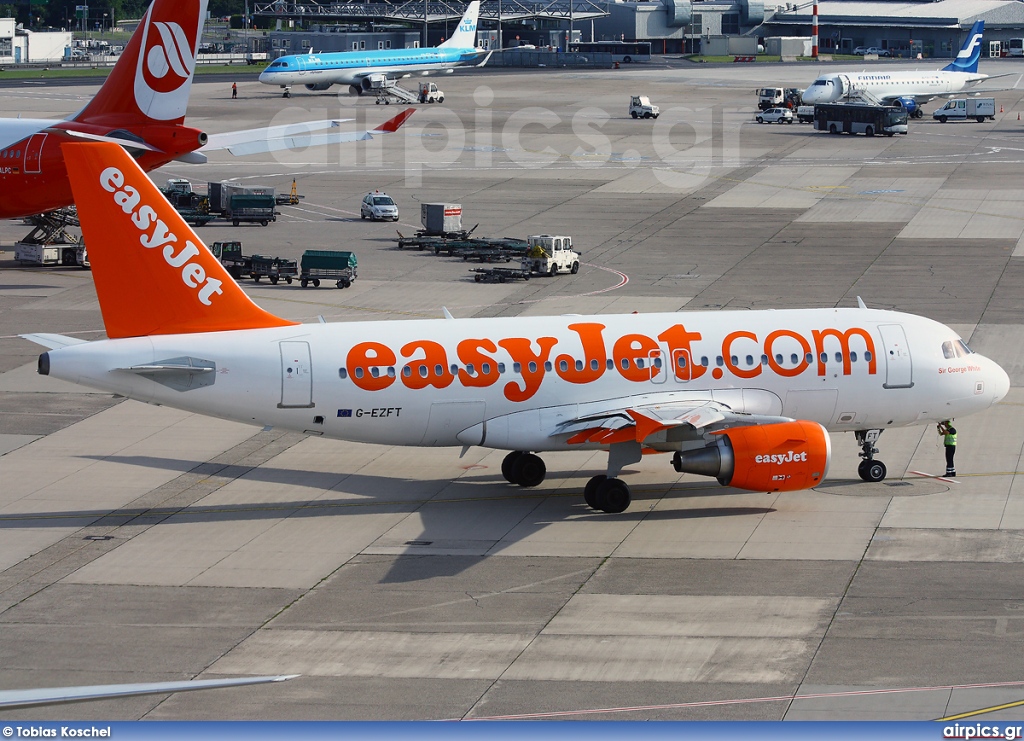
[
  {"x": 920, "y": 85},
  {"x": 508, "y": 383},
  {"x": 349, "y": 68}
]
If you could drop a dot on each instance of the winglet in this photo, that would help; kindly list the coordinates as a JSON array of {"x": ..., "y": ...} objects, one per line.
[
  {"x": 389, "y": 127},
  {"x": 153, "y": 275}
]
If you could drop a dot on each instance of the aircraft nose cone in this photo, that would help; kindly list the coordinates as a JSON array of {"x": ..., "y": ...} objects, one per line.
[{"x": 1000, "y": 383}]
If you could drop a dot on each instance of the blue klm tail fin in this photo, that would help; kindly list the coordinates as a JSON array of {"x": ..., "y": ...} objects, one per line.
[{"x": 969, "y": 54}]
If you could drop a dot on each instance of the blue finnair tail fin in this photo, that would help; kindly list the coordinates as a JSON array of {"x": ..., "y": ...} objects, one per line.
[
  {"x": 465, "y": 35},
  {"x": 969, "y": 54}
]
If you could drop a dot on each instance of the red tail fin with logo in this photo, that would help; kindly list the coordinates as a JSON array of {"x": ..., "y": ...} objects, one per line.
[
  {"x": 153, "y": 274},
  {"x": 152, "y": 79}
]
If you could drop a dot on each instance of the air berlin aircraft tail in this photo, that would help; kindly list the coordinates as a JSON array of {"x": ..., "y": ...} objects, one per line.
[
  {"x": 151, "y": 81},
  {"x": 153, "y": 275}
]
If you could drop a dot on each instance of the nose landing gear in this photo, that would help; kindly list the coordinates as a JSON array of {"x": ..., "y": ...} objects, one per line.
[{"x": 869, "y": 469}]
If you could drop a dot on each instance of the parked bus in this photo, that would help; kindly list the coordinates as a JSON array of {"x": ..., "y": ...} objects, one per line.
[
  {"x": 621, "y": 51},
  {"x": 860, "y": 118},
  {"x": 1015, "y": 48}
]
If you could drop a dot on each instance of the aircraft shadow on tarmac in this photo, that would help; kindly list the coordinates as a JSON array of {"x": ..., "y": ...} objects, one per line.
[{"x": 374, "y": 493}]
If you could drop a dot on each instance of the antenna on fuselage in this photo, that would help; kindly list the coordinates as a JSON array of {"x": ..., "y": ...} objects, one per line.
[{"x": 860, "y": 303}]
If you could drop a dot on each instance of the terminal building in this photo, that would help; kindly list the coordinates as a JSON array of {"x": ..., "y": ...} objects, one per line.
[{"x": 932, "y": 28}]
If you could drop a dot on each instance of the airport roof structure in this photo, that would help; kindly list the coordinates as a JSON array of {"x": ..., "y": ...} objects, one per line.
[
  {"x": 938, "y": 14},
  {"x": 437, "y": 12}
]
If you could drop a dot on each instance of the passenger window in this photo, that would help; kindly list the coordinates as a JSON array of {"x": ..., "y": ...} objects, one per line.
[
  {"x": 485, "y": 368},
  {"x": 681, "y": 362},
  {"x": 853, "y": 357},
  {"x": 358, "y": 372},
  {"x": 342, "y": 373},
  {"x": 867, "y": 356},
  {"x": 501, "y": 367},
  {"x": 823, "y": 357},
  {"x": 750, "y": 360},
  {"x": 423, "y": 371},
  {"x": 704, "y": 360},
  {"x": 579, "y": 365},
  {"x": 719, "y": 361},
  {"x": 391, "y": 371},
  {"x": 374, "y": 371},
  {"x": 809, "y": 358},
  {"x": 470, "y": 369},
  {"x": 794, "y": 358},
  {"x": 407, "y": 371},
  {"x": 517, "y": 368},
  {"x": 594, "y": 364},
  {"x": 609, "y": 364},
  {"x": 533, "y": 367},
  {"x": 547, "y": 365},
  {"x": 454, "y": 369},
  {"x": 438, "y": 370},
  {"x": 563, "y": 366}
]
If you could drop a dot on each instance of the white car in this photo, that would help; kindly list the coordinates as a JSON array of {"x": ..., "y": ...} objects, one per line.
[
  {"x": 379, "y": 207},
  {"x": 775, "y": 115}
]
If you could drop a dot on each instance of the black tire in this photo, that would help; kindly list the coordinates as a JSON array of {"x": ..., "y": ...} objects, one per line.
[
  {"x": 575, "y": 268},
  {"x": 634, "y": 114},
  {"x": 68, "y": 257},
  {"x": 303, "y": 282},
  {"x": 477, "y": 277},
  {"x": 981, "y": 119},
  {"x": 377, "y": 102},
  {"x": 553, "y": 271},
  {"x": 627, "y": 59},
  {"x": 288, "y": 279},
  {"x": 529, "y": 470},
  {"x": 869, "y": 131},
  {"x": 647, "y": 115},
  {"x": 656, "y": 115},
  {"x": 441, "y": 99},
  {"x": 943, "y": 119},
  {"x": 501, "y": 278},
  {"x": 590, "y": 490},
  {"x": 871, "y": 470},
  {"x": 256, "y": 278},
  {"x": 760, "y": 120},
  {"x": 316, "y": 283},
  {"x": 789, "y": 120},
  {"x": 613, "y": 496},
  {"x": 264, "y": 222},
  {"x": 832, "y": 129},
  {"x": 273, "y": 280},
  {"x": 363, "y": 216},
  {"x": 508, "y": 465},
  {"x": 235, "y": 222}
]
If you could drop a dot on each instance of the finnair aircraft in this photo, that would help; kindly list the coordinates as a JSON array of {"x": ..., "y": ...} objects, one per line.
[
  {"x": 746, "y": 397},
  {"x": 364, "y": 70},
  {"x": 143, "y": 102},
  {"x": 906, "y": 89}
]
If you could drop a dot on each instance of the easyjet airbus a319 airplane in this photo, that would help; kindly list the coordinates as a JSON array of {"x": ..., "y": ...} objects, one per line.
[
  {"x": 748, "y": 398},
  {"x": 142, "y": 103}
]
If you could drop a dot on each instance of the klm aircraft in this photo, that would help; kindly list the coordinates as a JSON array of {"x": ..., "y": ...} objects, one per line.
[
  {"x": 906, "y": 88},
  {"x": 364, "y": 71}
]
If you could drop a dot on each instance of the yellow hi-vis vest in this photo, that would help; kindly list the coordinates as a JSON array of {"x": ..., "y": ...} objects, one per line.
[{"x": 949, "y": 440}]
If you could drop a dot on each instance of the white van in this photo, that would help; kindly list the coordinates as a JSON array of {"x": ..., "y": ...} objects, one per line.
[{"x": 960, "y": 109}]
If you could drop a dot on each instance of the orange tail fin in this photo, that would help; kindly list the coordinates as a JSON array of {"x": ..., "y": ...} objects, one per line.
[
  {"x": 152, "y": 78},
  {"x": 153, "y": 274}
]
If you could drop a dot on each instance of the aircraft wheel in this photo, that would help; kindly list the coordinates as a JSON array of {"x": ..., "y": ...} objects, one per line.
[
  {"x": 508, "y": 465},
  {"x": 871, "y": 470},
  {"x": 529, "y": 470},
  {"x": 590, "y": 490},
  {"x": 613, "y": 496}
]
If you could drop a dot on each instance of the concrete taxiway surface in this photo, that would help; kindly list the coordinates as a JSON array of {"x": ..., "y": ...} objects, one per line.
[{"x": 139, "y": 543}]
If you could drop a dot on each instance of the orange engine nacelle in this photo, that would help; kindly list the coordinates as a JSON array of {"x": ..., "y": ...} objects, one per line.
[{"x": 778, "y": 457}]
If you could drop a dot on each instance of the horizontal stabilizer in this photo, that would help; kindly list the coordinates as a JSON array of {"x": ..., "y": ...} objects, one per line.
[
  {"x": 130, "y": 143},
  {"x": 51, "y": 341}
]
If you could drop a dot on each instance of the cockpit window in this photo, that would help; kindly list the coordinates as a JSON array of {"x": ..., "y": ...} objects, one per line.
[
  {"x": 955, "y": 349},
  {"x": 279, "y": 64}
]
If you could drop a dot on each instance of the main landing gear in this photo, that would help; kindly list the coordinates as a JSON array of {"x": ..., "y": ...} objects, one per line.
[
  {"x": 604, "y": 492},
  {"x": 869, "y": 469}
]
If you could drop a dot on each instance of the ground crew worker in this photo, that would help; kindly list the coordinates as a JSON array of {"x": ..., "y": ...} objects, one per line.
[
  {"x": 948, "y": 432},
  {"x": 234, "y": 90}
]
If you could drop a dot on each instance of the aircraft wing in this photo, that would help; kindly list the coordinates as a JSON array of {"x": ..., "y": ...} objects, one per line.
[
  {"x": 10, "y": 699},
  {"x": 296, "y": 136},
  {"x": 648, "y": 420}
]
